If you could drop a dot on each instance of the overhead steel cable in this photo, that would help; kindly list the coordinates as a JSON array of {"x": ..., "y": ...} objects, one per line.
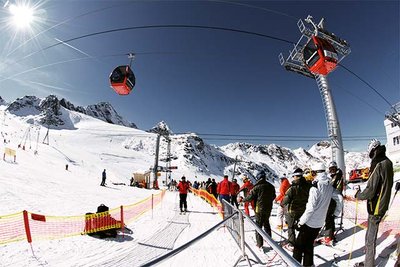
[
  {"x": 177, "y": 26},
  {"x": 369, "y": 85},
  {"x": 183, "y": 26}
]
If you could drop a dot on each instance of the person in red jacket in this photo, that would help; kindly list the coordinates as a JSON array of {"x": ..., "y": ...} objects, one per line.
[
  {"x": 183, "y": 188},
  {"x": 224, "y": 189},
  {"x": 234, "y": 192},
  {"x": 246, "y": 188},
  {"x": 281, "y": 212}
]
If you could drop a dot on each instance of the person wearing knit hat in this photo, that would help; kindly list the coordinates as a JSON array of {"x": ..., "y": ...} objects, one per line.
[{"x": 295, "y": 201}]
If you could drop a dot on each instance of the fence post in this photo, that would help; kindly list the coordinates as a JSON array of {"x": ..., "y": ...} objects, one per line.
[
  {"x": 152, "y": 205},
  {"x": 122, "y": 221},
  {"x": 241, "y": 228},
  {"x": 27, "y": 228}
]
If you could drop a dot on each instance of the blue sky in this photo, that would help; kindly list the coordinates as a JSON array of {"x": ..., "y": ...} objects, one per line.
[{"x": 208, "y": 81}]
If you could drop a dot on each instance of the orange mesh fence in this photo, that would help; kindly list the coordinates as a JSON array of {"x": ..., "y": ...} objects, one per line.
[
  {"x": 390, "y": 222},
  {"x": 30, "y": 226},
  {"x": 209, "y": 198}
]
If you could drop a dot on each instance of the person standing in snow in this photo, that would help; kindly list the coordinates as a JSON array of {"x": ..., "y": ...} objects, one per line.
[
  {"x": 214, "y": 188},
  {"x": 246, "y": 188},
  {"x": 377, "y": 193},
  {"x": 338, "y": 184},
  {"x": 234, "y": 192},
  {"x": 313, "y": 218},
  {"x": 295, "y": 201},
  {"x": 281, "y": 212},
  {"x": 263, "y": 194},
  {"x": 183, "y": 188},
  {"x": 103, "y": 178},
  {"x": 224, "y": 190}
]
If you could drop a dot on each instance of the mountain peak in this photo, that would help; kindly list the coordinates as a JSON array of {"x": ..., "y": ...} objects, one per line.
[
  {"x": 161, "y": 128},
  {"x": 49, "y": 110}
]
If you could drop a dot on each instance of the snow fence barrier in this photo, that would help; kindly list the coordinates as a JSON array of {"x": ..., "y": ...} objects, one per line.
[
  {"x": 31, "y": 226},
  {"x": 390, "y": 223},
  {"x": 210, "y": 198}
]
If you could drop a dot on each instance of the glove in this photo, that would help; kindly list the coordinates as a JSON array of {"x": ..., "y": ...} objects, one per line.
[{"x": 298, "y": 226}]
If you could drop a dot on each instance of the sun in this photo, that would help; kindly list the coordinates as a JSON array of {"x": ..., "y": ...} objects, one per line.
[{"x": 22, "y": 16}]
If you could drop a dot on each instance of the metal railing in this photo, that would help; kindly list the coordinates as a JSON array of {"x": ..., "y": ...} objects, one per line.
[
  {"x": 230, "y": 210},
  {"x": 233, "y": 221}
]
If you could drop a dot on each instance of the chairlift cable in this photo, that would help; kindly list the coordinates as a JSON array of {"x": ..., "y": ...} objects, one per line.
[{"x": 369, "y": 85}]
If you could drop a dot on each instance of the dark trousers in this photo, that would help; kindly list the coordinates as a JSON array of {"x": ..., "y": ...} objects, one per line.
[
  {"x": 234, "y": 201},
  {"x": 304, "y": 245},
  {"x": 183, "y": 202},
  {"x": 370, "y": 240},
  {"x": 291, "y": 221},
  {"x": 262, "y": 220},
  {"x": 330, "y": 219},
  {"x": 103, "y": 181}
]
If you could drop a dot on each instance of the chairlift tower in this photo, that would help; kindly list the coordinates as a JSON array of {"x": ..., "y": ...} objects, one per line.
[{"x": 297, "y": 62}]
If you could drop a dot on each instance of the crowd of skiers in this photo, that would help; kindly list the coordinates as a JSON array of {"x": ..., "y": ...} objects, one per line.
[{"x": 310, "y": 202}]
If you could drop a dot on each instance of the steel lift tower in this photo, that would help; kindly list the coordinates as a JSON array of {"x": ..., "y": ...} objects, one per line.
[{"x": 315, "y": 55}]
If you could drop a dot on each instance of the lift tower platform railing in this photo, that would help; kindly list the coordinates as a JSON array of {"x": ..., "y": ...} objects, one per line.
[{"x": 295, "y": 62}]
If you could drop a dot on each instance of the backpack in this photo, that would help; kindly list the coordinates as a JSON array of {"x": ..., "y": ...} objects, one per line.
[{"x": 102, "y": 208}]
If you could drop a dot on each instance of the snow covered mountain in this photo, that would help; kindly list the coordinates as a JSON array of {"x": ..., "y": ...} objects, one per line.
[
  {"x": 53, "y": 112},
  {"x": 189, "y": 152}
]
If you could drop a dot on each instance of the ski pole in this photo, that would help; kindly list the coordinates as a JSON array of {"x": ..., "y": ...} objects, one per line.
[
  {"x": 355, "y": 227},
  {"x": 397, "y": 187}
]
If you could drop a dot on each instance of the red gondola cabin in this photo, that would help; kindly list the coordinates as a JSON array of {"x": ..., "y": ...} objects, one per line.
[
  {"x": 320, "y": 56},
  {"x": 122, "y": 80}
]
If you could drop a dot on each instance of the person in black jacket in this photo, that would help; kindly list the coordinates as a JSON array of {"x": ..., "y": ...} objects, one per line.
[
  {"x": 377, "y": 193},
  {"x": 295, "y": 201},
  {"x": 263, "y": 195},
  {"x": 103, "y": 178}
]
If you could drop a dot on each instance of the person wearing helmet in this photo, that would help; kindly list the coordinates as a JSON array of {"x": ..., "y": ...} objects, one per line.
[
  {"x": 234, "y": 192},
  {"x": 264, "y": 194},
  {"x": 295, "y": 201},
  {"x": 377, "y": 193},
  {"x": 309, "y": 174},
  {"x": 313, "y": 218},
  {"x": 281, "y": 211},
  {"x": 246, "y": 188}
]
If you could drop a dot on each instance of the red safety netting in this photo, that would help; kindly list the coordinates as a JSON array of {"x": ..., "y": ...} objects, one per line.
[{"x": 30, "y": 226}]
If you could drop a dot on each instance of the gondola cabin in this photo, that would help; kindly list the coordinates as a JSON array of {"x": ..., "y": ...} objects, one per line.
[
  {"x": 122, "y": 80},
  {"x": 320, "y": 56}
]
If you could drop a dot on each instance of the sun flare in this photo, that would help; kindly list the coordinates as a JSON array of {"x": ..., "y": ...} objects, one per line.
[{"x": 22, "y": 16}]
